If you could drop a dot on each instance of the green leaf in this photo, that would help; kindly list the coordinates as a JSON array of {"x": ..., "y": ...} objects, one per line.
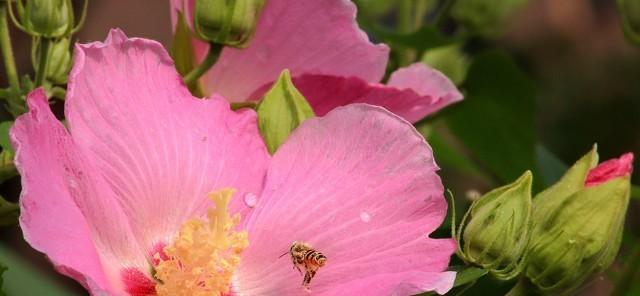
[
  {"x": 281, "y": 110},
  {"x": 446, "y": 153},
  {"x": 496, "y": 119},
  {"x": 425, "y": 38},
  {"x": 468, "y": 275},
  {"x": 23, "y": 278},
  {"x": 374, "y": 8},
  {"x": 183, "y": 53},
  {"x": 551, "y": 168},
  {"x": 5, "y": 143}
]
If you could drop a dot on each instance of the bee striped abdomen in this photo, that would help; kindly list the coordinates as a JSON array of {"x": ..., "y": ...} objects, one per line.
[
  {"x": 303, "y": 255},
  {"x": 313, "y": 257}
]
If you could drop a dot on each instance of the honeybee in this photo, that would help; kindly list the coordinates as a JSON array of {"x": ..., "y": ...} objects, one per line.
[{"x": 303, "y": 255}]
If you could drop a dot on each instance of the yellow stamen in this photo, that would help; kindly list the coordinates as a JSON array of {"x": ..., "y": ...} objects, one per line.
[{"x": 203, "y": 257}]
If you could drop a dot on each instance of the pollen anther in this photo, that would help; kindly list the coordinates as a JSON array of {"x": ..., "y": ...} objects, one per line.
[{"x": 204, "y": 255}]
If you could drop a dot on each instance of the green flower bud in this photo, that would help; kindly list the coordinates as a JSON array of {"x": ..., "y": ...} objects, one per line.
[
  {"x": 59, "y": 61},
  {"x": 48, "y": 18},
  {"x": 486, "y": 18},
  {"x": 577, "y": 224},
  {"x": 496, "y": 234},
  {"x": 228, "y": 22},
  {"x": 630, "y": 15}
]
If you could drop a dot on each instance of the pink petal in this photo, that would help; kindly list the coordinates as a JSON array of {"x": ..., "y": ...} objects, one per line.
[
  {"x": 359, "y": 185},
  {"x": 68, "y": 211},
  {"x": 159, "y": 148},
  {"x": 412, "y": 93},
  {"x": 304, "y": 36},
  {"x": 413, "y": 283},
  {"x": 610, "y": 169},
  {"x": 426, "y": 81}
]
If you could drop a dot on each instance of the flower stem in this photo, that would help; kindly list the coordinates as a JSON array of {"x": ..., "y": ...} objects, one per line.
[
  {"x": 240, "y": 105},
  {"x": 207, "y": 63},
  {"x": 405, "y": 22},
  {"x": 43, "y": 61},
  {"x": 5, "y": 47},
  {"x": 421, "y": 9},
  {"x": 405, "y": 10}
]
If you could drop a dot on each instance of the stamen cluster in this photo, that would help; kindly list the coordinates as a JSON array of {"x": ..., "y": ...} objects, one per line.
[{"x": 203, "y": 257}]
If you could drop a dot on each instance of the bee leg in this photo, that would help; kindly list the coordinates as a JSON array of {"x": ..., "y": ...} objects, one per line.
[
  {"x": 312, "y": 273},
  {"x": 307, "y": 277},
  {"x": 298, "y": 268},
  {"x": 296, "y": 265},
  {"x": 306, "y": 280}
]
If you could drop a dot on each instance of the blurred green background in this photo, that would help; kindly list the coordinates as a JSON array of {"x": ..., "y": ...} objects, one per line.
[{"x": 546, "y": 79}]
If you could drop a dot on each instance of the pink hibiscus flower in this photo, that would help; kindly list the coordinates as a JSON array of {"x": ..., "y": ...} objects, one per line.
[
  {"x": 332, "y": 61},
  {"x": 122, "y": 195}
]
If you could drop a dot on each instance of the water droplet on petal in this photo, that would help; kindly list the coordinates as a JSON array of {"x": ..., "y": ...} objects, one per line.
[
  {"x": 72, "y": 183},
  {"x": 417, "y": 108},
  {"x": 365, "y": 217},
  {"x": 250, "y": 199}
]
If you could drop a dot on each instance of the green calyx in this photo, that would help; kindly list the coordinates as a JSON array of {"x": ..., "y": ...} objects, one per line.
[
  {"x": 227, "y": 22},
  {"x": 495, "y": 229},
  {"x": 59, "y": 61},
  {"x": 51, "y": 18},
  {"x": 46, "y": 18},
  {"x": 576, "y": 229}
]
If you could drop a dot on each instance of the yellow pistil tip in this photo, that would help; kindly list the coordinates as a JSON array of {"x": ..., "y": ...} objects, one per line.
[{"x": 203, "y": 257}]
